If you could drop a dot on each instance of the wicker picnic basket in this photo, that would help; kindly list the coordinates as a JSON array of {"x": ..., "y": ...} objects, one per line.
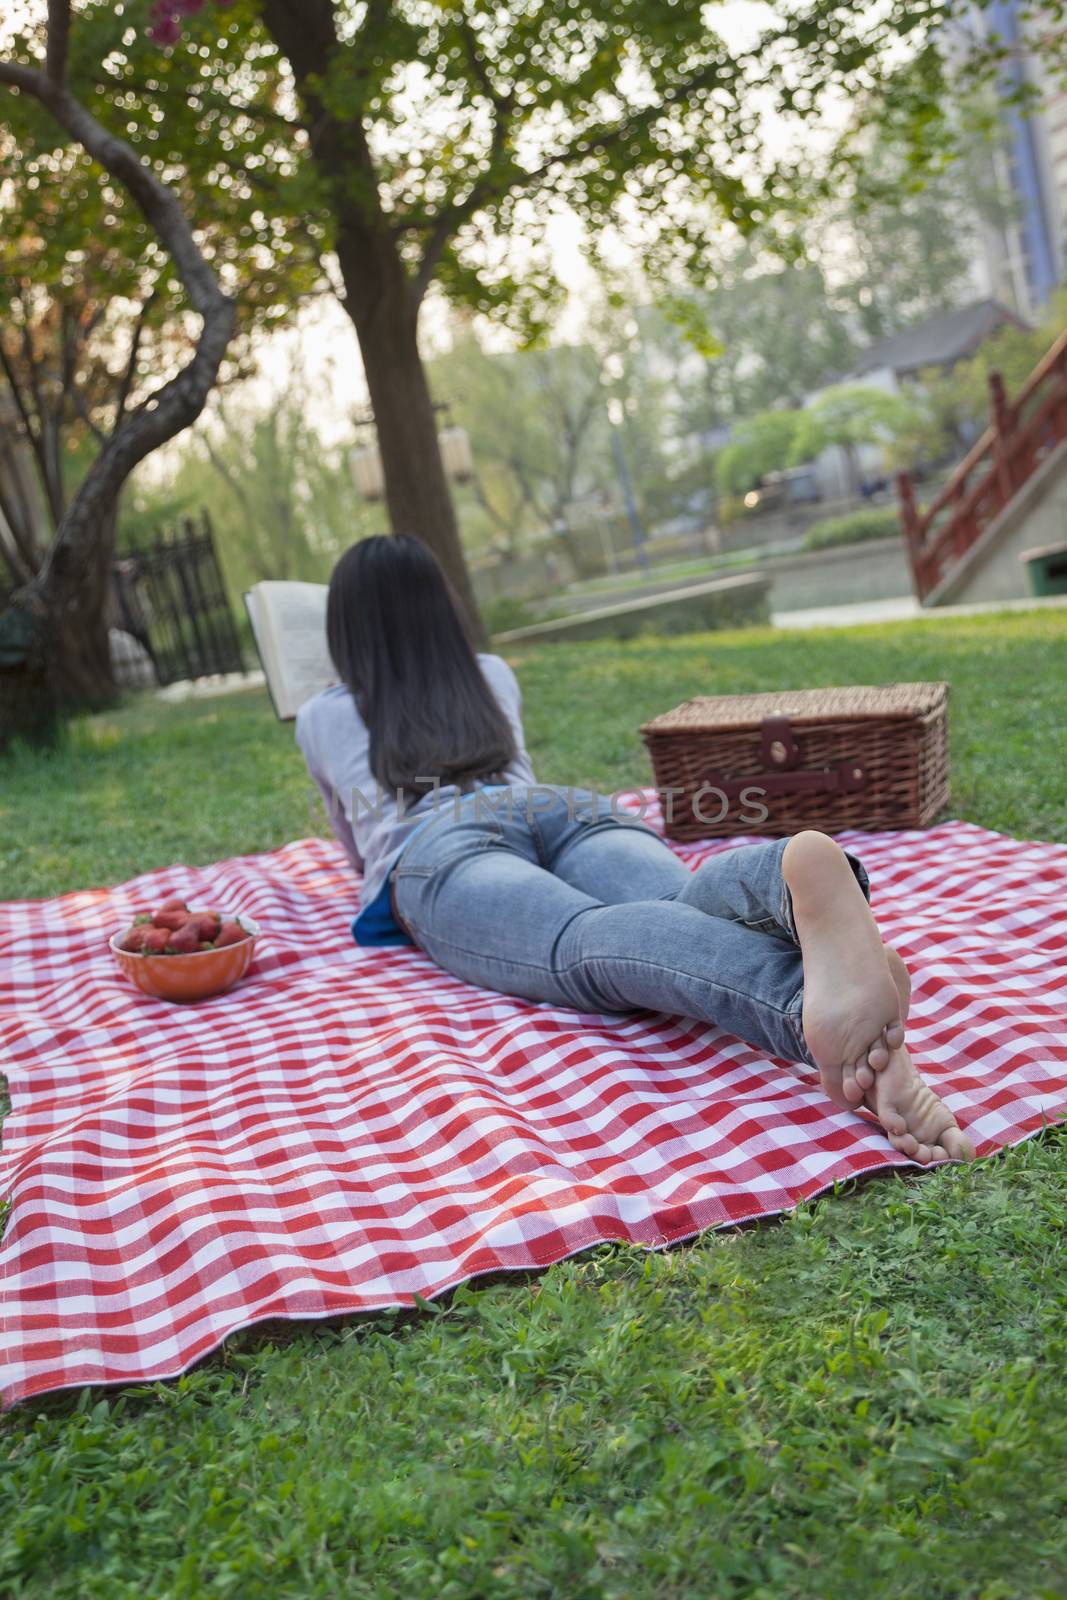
[{"x": 859, "y": 757}]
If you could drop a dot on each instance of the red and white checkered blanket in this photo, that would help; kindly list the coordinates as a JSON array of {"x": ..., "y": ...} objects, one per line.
[{"x": 350, "y": 1128}]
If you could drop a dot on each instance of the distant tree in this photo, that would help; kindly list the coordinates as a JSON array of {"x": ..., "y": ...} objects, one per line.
[
  {"x": 537, "y": 425},
  {"x": 902, "y": 237},
  {"x": 764, "y": 335},
  {"x": 282, "y": 501},
  {"x": 849, "y": 415},
  {"x": 540, "y": 420},
  {"x": 760, "y": 444},
  {"x": 909, "y": 252}
]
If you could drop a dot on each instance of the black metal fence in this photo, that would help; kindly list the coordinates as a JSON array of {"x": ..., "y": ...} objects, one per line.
[{"x": 171, "y": 597}]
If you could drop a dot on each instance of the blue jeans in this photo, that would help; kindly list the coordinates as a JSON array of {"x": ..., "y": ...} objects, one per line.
[{"x": 542, "y": 893}]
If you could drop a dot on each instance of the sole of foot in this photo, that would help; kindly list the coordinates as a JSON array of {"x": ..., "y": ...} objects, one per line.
[
  {"x": 916, "y": 1122},
  {"x": 853, "y": 1011}
]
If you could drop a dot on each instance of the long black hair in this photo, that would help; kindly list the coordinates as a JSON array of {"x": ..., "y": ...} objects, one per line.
[{"x": 397, "y": 637}]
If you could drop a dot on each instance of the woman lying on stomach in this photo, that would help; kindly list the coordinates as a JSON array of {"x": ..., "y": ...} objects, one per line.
[{"x": 542, "y": 892}]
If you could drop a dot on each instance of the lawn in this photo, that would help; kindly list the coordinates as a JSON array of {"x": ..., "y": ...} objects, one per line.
[{"x": 863, "y": 1399}]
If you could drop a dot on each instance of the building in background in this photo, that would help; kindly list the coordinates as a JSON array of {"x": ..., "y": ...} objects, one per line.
[
  {"x": 940, "y": 342},
  {"x": 1021, "y": 243}
]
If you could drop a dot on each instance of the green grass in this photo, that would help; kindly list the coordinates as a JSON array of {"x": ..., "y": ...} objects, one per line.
[
  {"x": 865, "y": 1399},
  {"x": 150, "y": 784}
]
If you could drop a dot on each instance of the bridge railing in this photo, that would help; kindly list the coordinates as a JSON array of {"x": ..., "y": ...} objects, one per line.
[{"x": 1022, "y": 432}]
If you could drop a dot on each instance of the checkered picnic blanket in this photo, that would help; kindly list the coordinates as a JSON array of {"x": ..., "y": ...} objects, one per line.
[{"x": 350, "y": 1128}]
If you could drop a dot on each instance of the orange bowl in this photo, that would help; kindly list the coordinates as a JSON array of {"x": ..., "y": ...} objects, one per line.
[{"x": 189, "y": 977}]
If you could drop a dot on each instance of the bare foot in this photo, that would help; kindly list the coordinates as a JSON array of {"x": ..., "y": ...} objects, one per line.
[
  {"x": 853, "y": 1005},
  {"x": 916, "y": 1122}
]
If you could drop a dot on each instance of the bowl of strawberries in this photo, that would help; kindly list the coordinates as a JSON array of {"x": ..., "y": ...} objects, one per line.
[{"x": 175, "y": 953}]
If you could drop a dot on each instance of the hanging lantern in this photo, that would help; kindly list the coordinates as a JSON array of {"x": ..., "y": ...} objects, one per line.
[
  {"x": 456, "y": 454},
  {"x": 368, "y": 473}
]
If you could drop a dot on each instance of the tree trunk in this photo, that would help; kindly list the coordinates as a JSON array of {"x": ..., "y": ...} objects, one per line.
[
  {"x": 852, "y": 470},
  {"x": 385, "y": 315},
  {"x": 80, "y": 676},
  {"x": 380, "y": 297}
]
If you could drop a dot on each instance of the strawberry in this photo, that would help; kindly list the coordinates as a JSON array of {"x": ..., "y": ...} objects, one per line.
[
  {"x": 155, "y": 941},
  {"x": 184, "y": 940},
  {"x": 230, "y": 933},
  {"x": 172, "y": 905},
  {"x": 170, "y": 919},
  {"x": 209, "y": 923},
  {"x": 133, "y": 939}
]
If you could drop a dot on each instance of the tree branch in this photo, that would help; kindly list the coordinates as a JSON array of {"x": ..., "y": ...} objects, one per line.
[
  {"x": 502, "y": 102},
  {"x": 492, "y": 187},
  {"x": 18, "y": 518},
  {"x": 19, "y": 572},
  {"x": 232, "y": 483},
  {"x": 131, "y": 363},
  {"x": 18, "y": 77},
  {"x": 178, "y": 402},
  {"x": 58, "y": 41},
  {"x": 509, "y": 524},
  {"x": 17, "y": 395},
  {"x": 305, "y": 32},
  {"x": 81, "y": 406},
  {"x": 156, "y": 200},
  {"x": 450, "y": 219}
]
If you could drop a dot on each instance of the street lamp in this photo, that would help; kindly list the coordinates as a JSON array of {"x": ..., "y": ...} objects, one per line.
[
  {"x": 369, "y": 475},
  {"x": 612, "y": 370},
  {"x": 456, "y": 453}
]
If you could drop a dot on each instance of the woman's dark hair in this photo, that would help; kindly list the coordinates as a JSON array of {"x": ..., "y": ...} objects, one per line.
[{"x": 398, "y": 640}]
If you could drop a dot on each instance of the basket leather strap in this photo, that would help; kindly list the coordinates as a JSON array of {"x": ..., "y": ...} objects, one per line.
[
  {"x": 778, "y": 744},
  {"x": 781, "y": 753}
]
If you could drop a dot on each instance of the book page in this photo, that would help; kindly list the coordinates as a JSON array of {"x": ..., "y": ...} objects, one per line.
[{"x": 289, "y": 621}]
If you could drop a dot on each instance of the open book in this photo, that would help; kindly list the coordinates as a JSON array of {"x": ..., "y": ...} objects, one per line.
[{"x": 289, "y": 624}]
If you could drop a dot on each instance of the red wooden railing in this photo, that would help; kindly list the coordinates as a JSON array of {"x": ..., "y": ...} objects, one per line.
[{"x": 1021, "y": 434}]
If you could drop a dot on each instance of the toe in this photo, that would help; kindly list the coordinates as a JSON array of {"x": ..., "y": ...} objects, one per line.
[
  {"x": 864, "y": 1075},
  {"x": 878, "y": 1056},
  {"x": 850, "y": 1088},
  {"x": 956, "y": 1145},
  {"x": 893, "y": 1123},
  {"x": 906, "y": 1143},
  {"x": 894, "y": 1035}
]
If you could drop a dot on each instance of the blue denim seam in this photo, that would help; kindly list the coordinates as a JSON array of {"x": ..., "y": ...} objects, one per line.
[
  {"x": 539, "y": 838},
  {"x": 426, "y": 823},
  {"x": 795, "y": 1016},
  {"x": 786, "y": 918},
  {"x": 462, "y": 850},
  {"x": 597, "y": 826},
  {"x": 771, "y": 925}
]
